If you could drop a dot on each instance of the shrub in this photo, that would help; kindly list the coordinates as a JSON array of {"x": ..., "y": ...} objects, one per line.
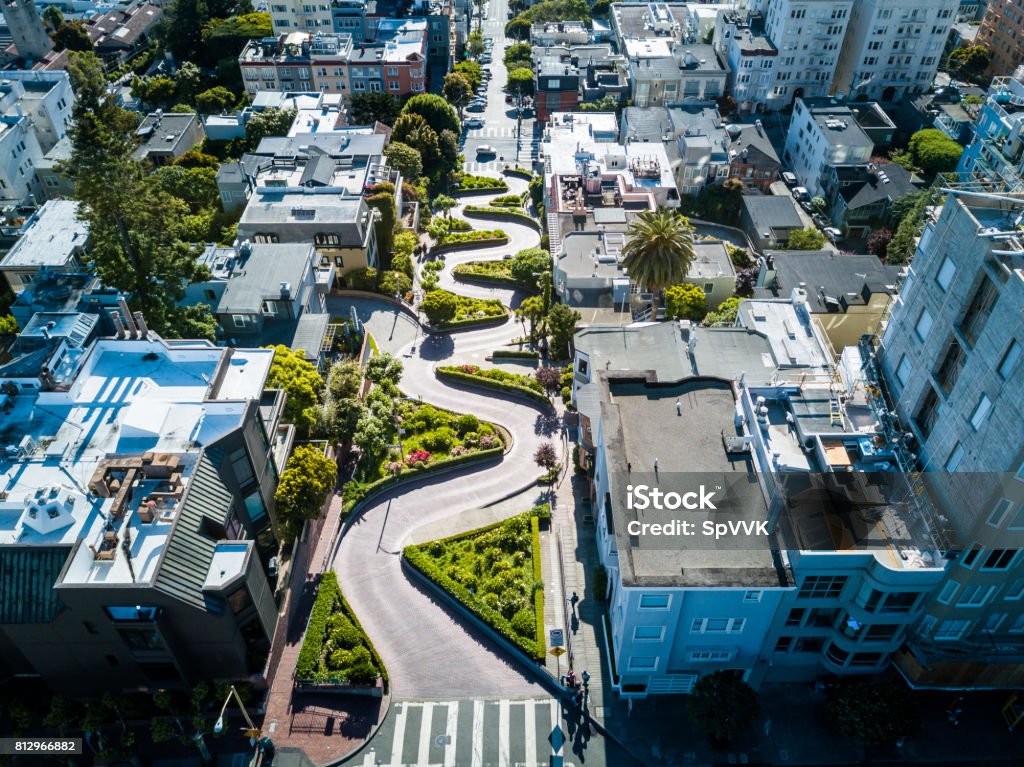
[
  {"x": 439, "y": 441},
  {"x": 362, "y": 279},
  {"x": 499, "y": 380},
  {"x": 523, "y": 623},
  {"x": 417, "y": 457},
  {"x": 466, "y": 423},
  {"x": 481, "y": 183}
]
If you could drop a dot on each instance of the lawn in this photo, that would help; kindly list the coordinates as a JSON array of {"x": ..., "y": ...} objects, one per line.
[
  {"x": 495, "y": 572},
  {"x": 498, "y": 272}
]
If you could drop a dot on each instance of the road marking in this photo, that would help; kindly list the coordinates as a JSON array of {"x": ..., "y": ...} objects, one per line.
[
  {"x": 423, "y": 756},
  {"x": 451, "y": 730},
  {"x": 370, "y": 759},
  {"x": 556, "y": 721},
  {"x": 503, "y": 757},
  {"x": 396, "y": 746},
  {"x": 478, "y": 733},
  {"x": 530, "y": 714}
]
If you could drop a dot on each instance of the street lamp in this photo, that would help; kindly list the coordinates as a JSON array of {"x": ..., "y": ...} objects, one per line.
[{"x": 252, "y": 731}]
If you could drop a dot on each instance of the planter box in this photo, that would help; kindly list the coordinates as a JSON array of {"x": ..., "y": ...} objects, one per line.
[
  {"x": 446, "y": 247},
  {"x": 331, "y": 687}
]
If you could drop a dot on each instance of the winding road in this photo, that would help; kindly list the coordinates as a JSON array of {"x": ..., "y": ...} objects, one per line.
[{"x": 429, "y": 652}]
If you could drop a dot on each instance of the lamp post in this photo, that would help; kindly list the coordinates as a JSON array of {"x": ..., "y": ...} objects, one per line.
[{"x": 252, "y": 730}]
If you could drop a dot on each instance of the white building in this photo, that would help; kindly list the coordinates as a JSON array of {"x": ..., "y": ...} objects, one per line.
[
  {"x": 43, "y": 95},
  {"x": 892, "y": 51},
  {"x": 822, "y": 134},
  {"x": 19, "y": 154},
  {"x": 299, "y": 15}
]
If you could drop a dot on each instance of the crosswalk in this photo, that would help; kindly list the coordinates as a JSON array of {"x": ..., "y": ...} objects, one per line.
[
  {"x": 503, "y": 131},
  {"x": 470, "y": 733}
]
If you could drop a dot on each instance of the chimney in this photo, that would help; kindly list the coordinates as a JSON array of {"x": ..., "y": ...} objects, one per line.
[
  {"x": 141, "y": 322},
  {"x": 118, "y": 325},
  {"x": 286, "y": 289},
  {"x": 127, "y": 317}
]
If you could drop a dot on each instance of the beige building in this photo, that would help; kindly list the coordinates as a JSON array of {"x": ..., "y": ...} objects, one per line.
[{"x": 1002, "y": 32}]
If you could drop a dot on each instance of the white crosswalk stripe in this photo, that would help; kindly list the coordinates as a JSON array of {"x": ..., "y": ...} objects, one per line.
[{"x": 504, "y": 733}]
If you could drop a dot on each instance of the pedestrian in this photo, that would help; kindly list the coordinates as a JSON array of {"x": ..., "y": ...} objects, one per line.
[
  {"x": 655, "y": 465},
  {"x": 574, "y": 599},
  {"x": 679, "y": 407},
  {"x": 629, "y": 467}
]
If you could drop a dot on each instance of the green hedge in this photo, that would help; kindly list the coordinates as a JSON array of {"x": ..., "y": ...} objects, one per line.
[
  {"x": 538, "y": 585},
  {"x": 454, "y": 374},
  {"x": 347, "y": 609},
  {"x": 359, "y": 493},
  {"x": 470, "y": 183},
  {"x": 507, "y": 214},
  {"x": 467, "y": 273},
  {"x": 519, "y": 173},
  {"x": 515, "y": 354}
]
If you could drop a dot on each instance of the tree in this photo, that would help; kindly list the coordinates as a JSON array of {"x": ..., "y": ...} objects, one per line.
[
  {"x": 902, "y": 205},
  {"x": 723, "y": 706},
  {"x": 531, "y": 310},
  {"x": 405, "y": 159},
  {"x": 440, "y": 306},
  {"x": 194, "y": 158},
  {"x": 876, "y": 714},
  {"x": 746, "y": 281},
  {"x": 303, "y": 487},
  {"x": 186, "y": 81},
  {"x": 439, "y": 114},
  {"x": 685, "y": 301},
  {"x": 53, "y": 17},
  {"x": 372, "y": 437},
  {"x": 721, "y": 203},
  {"x": 517, "y": 55},
  {"x": 8, "y": 325},
  {"x": 153, "y": 90},
  {"x": 457, "y": 90},
  {"x": 726, "y": 312},
  {"x": 384, "y": 367},
  {"x": 444, "y": 204},
  {"x": 269, "y": 122},
  {"x": 562, "y": 326},
  {"x": 807, "y": 238},
  {"x": 527, "y": 265},
  {"x": 659, "y": 250},
  {"x": 520, "y": 81},
  {"x": 413, "y": 130},
  {"x": 546, "y": 456},
  {"x": 215, "y": 100},
  {"x": 197, "y": 187},
  {"x": 901, "y": 247},
  {"x": 344, "y": 380},
  {"x": 197, "y": 321},
  {"x": 549, "y": 378},
  {"x": 819, "y": 204},
  {"x": 300, "y": 381},
  {"x": 934, "y": 152},
  {"x": 475, "y": 44},
  {"x": 72, "y": 36},
  {"x": 232, "y": 33},
  {"x": 878, "y": 242},
  {"x": 472, "y": 70},
  {"x": 368, "y": 108},
  {"x": 969, "y": 62},
  {"x": 603, "y": 104},
  {"x": 137, "y": 228},
  {"x": 384, "y": 224}
]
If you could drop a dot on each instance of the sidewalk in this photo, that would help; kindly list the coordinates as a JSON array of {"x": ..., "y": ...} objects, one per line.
[{"x": 326, "y": 728}]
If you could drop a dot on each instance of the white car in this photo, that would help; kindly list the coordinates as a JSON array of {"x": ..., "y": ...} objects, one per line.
[
  {"x": 474, "y": 122},
  {"x": 832, "y": 233},
  {"x": 485, "y": 149}
]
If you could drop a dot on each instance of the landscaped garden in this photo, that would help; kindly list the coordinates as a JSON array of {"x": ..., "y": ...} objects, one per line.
[
  {"x": 470, "y": 183},
  {"x": 335, "y": 649},
  {"x": 523, "y": 271},
  {"x": 481, "y": 237},
  {"x": 445, "y": 309},
  {"x": 498, "y": 212},
  {"x": 495, "y": 573},
  {"x": 498, "y": 380}
]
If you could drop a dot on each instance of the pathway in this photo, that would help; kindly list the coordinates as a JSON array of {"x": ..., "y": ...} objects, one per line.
[{"x": 429, "y": 652}]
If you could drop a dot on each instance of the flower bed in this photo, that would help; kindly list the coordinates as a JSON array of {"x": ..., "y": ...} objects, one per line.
[
  {"x": 335, "y": 649},
  {"x": 491, "y": 273},
  {"x": 479, "y": 235},
  {"x": 495, "y": 573},
  {"x": 515, "y": 354},
  {"x": 470, "y": 183},
  {"x": 474, "y": 311},
  {"x": 498, "y": 380},
  {"x": 508, "y": 214}
]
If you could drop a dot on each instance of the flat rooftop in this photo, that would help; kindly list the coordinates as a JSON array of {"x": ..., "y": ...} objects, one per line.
[
  {"x": 672, "y": 436},
  {"x": 52, "y": 239}
]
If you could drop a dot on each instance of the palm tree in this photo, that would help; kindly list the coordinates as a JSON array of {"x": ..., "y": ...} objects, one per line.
[{"x": 659, "y": 251}]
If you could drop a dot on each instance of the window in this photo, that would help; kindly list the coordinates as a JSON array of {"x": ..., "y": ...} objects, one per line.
[
  {"x": 837, "y": 654},
  {"x": 710, "y": 655},
  {"x": 1015, "y": 590},
  {"x": 326, "y": 239},
  {"x": 971, "y": 556},
  {"x": 981, "y": 411},
  {"x": 948, "y": 592},
  {"x": 952, "y": 365},
  {"x": 643, "y": 662},
  {"x": 136, "y": 614},
  {"x": 999, "y": 559},
  {"x": 903, "y": 370},
  {"x": 999, "y": 512},
  {"x": 1018, "y": 625},
  {"x": 717, "y": 625},
  {"x": 339, "y": 262},
  {"x": 956, "y": 455},
  {"x": 648, "y": 633},
  {"x": 1009, "y": 360},
  {"x": 796, "y": 615},
  {"x": 753, "y": 596},
  {"x": 951, "y": 630},
  {"x": 141, "y": 639},
  {"x": 783, "y": 644},
  {"x": 992, "y": 622},
  {"x": 241, "y": 466},
  {"x": 254, "y": 508},
  {"x": 900, "y": 602},
  {"x": 979, "y": 310},
  {"x": 654, "y": 601},
  {"x": 822, "y": 586},
  {"x": 974, "y": 596},
  {"x": 881, "y": 632},
  {"x": 924, "y": 324}
]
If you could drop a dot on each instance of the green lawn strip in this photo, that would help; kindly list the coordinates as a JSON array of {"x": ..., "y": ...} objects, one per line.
[
  {"x": 515, "y": 354},
  {"x": 491, "y": 273},
  {"x": 475, "y": 311},
  {"x": 519, "y": 173},
  {"x": 494, "y": 573},
  {"x": 497, "y": 380},
  {"x": 470, "y": 183},
  {"x": 488, "y": 211},
  {"x": 335, "y": 648}
]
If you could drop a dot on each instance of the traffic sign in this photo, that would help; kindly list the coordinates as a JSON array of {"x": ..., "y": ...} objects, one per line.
[
  {"x": 558, "y": 652},
  {"x": 557, "y": 638}
]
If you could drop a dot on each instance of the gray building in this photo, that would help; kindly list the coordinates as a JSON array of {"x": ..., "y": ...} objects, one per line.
[
  {"x": 952, "y": 369},
  {"x": 769, "y": 219},
  {"x": 54, "y": 182},
  {"x": 166, "y": 136},
  {"x": 54, "y": 240},
  {"x": 138, "y": 542}
]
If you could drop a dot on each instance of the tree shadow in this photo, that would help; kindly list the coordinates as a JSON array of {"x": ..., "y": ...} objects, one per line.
[{"x": 436, "y": 347}]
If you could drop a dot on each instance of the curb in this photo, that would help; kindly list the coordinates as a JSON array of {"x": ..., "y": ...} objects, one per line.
[{"x": 358, "y": 752}]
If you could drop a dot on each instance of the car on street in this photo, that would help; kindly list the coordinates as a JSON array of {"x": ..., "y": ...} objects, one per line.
[
  {"x": 789, "y": 178},
  {"x": 485, "y": 59},
  {"x": 474, "y": 122},
  {"x": 476, "y": 106},
  {"x": 486, "y": 149},
  {"x": 832, "y": 233}
]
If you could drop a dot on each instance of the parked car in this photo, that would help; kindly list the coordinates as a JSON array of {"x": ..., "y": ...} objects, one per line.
[
  {"x": 832, "y": 233},
  {"x": 486, "y": 149},
  {"x": 476, "y": 106},
  {"x": 485, "y": 59},
  {"x": 789, "y": 178},
  {"x": 800, "y": 193},
  {"x": 474, "y": 122}
]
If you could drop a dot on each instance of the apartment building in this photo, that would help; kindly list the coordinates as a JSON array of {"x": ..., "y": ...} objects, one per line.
[
  {"x": 166, "y": 136},
  {"x": 333, "y": 63},
  {"x": 53, "y": 239},
  {"x": 823, "y": 133},
  {"x": 845, "y": 568},
  {"x": 565, "y": 75},
  {"x": 892, "y": 51},
  {"x": 1002, "y": 33},
  {"x": 751, "y": 58},
  {"x": 297, "y": 15},
  {"x": 44, "y": 96},
  {"x": 663, "y": 73},
  {"x": 995, "y": 156},
  {"x": 950, "y": 365},
  {"x": 139, "y": 537}
]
